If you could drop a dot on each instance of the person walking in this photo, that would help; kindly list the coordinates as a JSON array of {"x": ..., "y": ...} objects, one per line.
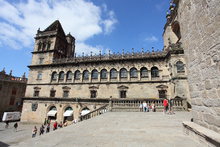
[
  {"x": 48, "y": 128},
  {"x": 42, "y": 130},
  {"x": 153, "y": 107},
  {"x": 141, "y": 107},
  {"x": 16, "y": 126},
  {"x": 6, "y": 124},
  {"x": 34, "y": 131},
  {"x": 165, "y": 105},
  {"x": 171, "y": 107},
  {"x": 145, "y": 106},
  {"x": 55, "y": 125}
]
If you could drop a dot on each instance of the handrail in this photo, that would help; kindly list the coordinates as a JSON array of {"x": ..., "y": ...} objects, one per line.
[{"x": 96, "y": 112}]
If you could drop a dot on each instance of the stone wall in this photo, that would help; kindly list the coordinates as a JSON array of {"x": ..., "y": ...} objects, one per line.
[
  {"x": 200, "y": 28},
  {"x": 43, "y": 107},
  {"x": 9, "y": 100}
]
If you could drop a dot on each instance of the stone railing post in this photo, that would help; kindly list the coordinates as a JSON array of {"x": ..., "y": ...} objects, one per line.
[
  {"x": 184, "y": 103},
  {"x": 110, "y": 104}
]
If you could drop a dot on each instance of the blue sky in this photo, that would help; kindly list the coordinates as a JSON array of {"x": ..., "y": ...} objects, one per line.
[{"x": 96, "y": 24}]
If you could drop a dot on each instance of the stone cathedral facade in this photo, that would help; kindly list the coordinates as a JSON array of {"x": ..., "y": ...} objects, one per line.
[{"x": 62, "y": 86}]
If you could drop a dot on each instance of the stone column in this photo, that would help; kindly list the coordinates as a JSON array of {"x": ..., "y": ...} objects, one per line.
[
  {"x": 108, "y": 76},
  {"x": 99, "y": 76},
  {"x": 129, "y": 76},
  {"x": 139, "y": 75},
  {"x": 149, "y": 75},
  {"x": 118, "y": 77}
]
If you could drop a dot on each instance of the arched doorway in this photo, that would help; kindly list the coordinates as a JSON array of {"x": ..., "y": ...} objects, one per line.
[
  {"x": 68, "y": 114},
  {"x": 52, "y": 113},
  {"x": 84, "y": 111}
]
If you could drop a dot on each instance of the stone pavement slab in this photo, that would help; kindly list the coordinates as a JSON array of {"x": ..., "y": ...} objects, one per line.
[{"x": 120, "y": 129}]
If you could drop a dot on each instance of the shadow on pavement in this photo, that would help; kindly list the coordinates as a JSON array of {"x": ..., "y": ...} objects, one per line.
[{"x": 2, "y": 144}]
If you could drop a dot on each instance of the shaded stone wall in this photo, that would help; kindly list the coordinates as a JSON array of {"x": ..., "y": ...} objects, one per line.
[{"x": 200, "y": 28}]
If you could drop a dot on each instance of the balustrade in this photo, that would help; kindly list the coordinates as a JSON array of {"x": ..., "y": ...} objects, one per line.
[
  {"x": 94, "y": 113},
  {"x": 116, "y": 103}
]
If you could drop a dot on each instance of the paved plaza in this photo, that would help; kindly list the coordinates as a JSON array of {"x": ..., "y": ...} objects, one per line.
[{"x": 120, "y": 129}]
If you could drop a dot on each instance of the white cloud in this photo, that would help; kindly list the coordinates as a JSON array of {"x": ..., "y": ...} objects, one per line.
[
  {"x": 20, "y": 20},
  {"x": 151, "y": 39}
]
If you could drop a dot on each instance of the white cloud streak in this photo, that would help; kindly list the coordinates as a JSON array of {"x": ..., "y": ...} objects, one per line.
[
  {"x": 20, "y": 20},
  {"x": 151, "y": 39}
]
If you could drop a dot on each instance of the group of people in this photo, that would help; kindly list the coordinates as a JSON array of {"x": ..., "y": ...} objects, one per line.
[
  {"x": 46, "y": 127},
  {"x": 144, "y": 107},
  {"x": 15, "y": 125},
  {"x": 167, "y": 104}
]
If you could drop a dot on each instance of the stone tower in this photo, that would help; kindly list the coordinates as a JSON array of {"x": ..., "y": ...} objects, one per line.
[{"x": 52, "y": 43}]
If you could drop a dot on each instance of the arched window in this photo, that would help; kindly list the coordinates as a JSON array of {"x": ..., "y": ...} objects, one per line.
[
  {"x": 85, "y": 111},
  {"x": 77, "y": 75},
  {"x": 44, "y": 46},
  {"x": 53, "y": 108},
  {"x": 144, "y": 72},
  {"x": 103, "y": 74},
  {"x": 123, "y": 73},
  {"x": 176, "y": 29},
  {"x": 61, "y": 76},
  {"x": 113, "y": 73},
  {"x": 86, "y": 75},
  {"x": 154, "y": 72},
  {"x": 94, "y": 74},
  {"x": 54, "y": 76},
  {"x": 133, "y": 73},
  {"x": 69, "y": 108},
  {"x": 69, "y": 75},
  {"x": 52, "y": 114},
  {"x": 180, "y": 67}
]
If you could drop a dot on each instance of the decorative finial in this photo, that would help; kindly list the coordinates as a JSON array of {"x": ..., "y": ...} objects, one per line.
[
  {"x": 142, "y": 50},
  {"x": 10, "y": 73},
  {"x": 123, "y": 51},
  {"x": 24, "y": 76},
  {"x": 100, "y": 52},
  {"x": 152, "y": 49},
  {"x": 83, "y": 54},
  {"x": 109, "y": 52}
]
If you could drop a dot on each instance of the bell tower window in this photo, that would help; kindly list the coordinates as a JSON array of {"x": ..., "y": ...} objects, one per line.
[
  {"x": 39, "y": 46},
  {"x": 39, "y": 76},
  {"x": 41, "y": 60},
  {"x": 48, "y": 45}
]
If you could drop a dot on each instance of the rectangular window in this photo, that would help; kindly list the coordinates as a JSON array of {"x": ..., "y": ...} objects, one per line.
[
  {"x": 65, "y": 93},
  {"x": 39, "y": 76},
  {"x": 123, "y": 94},
  {"x": 41, "y": 60},
  {"x": 36, "y": 93},
  {"x": 93, "y": 94},
  {"x": 0, "y": 87},
  {"x": 12, "y": 100},
  {"x": 52, "y": 93},
  {"x": 162, "y": 94}
]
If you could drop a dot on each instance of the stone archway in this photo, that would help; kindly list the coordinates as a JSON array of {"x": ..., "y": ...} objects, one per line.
[{"x": 68, "y": 114}]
